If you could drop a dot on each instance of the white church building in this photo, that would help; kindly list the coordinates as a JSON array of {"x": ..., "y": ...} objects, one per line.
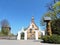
[{"x": 31, "y": 32}]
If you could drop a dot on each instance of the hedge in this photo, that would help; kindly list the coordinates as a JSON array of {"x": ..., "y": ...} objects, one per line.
[{"x": 52, "y": 39}]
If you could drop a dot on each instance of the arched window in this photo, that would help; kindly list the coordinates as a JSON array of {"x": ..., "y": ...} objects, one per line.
[{"x": 30, "y": 30}]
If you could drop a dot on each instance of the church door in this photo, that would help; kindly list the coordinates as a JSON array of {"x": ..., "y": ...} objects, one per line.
[{"x": 22, "y": 35}]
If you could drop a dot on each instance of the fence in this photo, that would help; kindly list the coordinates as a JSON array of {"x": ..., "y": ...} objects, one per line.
[{"x": 8, "y": 37}]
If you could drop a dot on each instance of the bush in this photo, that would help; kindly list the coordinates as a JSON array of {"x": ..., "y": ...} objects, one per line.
[
  {"x": 55, "y": 24},
  {"x": 52, "y": 39}
]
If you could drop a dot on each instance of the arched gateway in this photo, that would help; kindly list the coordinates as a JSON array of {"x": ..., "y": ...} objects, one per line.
[{"x": 31, "y": 32}]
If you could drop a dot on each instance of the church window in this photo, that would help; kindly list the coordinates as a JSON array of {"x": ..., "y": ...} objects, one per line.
[{"x": 30, "y": 30}]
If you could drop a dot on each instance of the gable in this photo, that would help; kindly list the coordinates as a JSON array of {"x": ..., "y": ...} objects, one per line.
[{"x": 32, "y": 25}]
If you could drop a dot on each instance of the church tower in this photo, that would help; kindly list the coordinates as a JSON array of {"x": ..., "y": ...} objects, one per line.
[
  {"x": 31, "y": 29},
  {"x": 33, "y": 25}
]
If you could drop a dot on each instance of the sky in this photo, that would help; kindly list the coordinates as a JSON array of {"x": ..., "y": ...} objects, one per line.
[{"x": 20, "y": 12}]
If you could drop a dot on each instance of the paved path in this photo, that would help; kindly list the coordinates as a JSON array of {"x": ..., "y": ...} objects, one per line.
[{"x": 23, "y": 42}]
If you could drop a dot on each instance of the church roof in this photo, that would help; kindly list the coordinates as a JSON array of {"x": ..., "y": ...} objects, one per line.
[
  {"x": 47, "y": 18},
  {"x": 32, "y": 24}
]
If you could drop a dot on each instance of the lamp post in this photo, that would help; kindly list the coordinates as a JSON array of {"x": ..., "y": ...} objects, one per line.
[{"x": 48, "y": 25}]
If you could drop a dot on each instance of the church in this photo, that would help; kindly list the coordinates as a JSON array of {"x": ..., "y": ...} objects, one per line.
[{"x": 32, "y": 32}]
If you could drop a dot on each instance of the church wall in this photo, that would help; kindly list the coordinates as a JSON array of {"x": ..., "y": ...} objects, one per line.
[{"x": 39, "y": 35}]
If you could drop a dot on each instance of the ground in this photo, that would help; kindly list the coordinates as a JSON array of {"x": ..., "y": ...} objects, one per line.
[{"x": 23, "y": 42}]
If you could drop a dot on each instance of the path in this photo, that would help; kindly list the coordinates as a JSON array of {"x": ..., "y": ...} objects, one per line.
[{"x": 22, "y": 42}]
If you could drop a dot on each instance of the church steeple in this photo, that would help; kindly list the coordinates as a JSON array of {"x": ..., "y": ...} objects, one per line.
[{"x": 32, "y": 19}]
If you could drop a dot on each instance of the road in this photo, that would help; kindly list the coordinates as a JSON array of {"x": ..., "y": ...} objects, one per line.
[{"x": 23, "y": 42}]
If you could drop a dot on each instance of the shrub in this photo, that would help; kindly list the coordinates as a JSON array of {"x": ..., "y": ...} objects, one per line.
[
  {"x": 52, "y": 39},
  {"x": 55, "y": 24}
]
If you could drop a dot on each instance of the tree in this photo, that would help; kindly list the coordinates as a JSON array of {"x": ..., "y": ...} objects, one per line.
[
  {"x": 57, "y": 9},
  {"x": 56, "y": 26},
  {"x": 53, "y": 9},
  {"x": 5, "y": 28},
  {"x": 54, "y": 13}
]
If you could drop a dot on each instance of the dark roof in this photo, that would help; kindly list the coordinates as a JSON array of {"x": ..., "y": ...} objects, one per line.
[{"x": 47, "y": 18}]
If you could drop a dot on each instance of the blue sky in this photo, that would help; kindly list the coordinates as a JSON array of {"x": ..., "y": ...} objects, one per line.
[{"x": 20, "y": 12}]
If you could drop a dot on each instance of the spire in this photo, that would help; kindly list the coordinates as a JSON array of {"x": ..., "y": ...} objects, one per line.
[{"x": 32, "y": 18}]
